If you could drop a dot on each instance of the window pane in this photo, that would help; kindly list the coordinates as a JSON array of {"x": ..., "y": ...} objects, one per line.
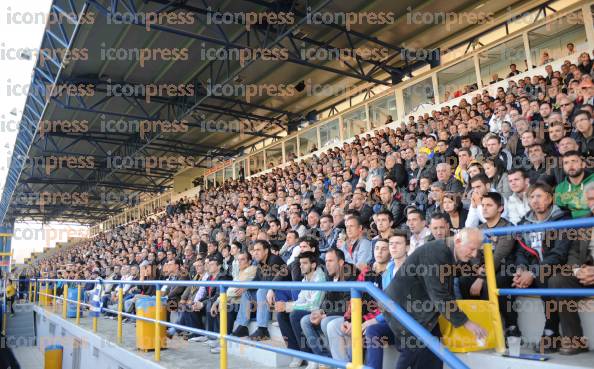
[
  {"x": 229, "y": 172},
  {"x": 219, "y": 177},
  {"x": 240, "y": 169},
  {"x": 274, "y": 156},
  {"x": 355, "y": 122},
  {"x": 382, "y": 110},
  {"x": 291, "y": 149},
  {"x": 549, "y": 42},
  {"x": 257, "y": 163},
  {"x": 456, "y": 80},
  {"x": 330, "y": 133},
  {"x": 308, "y": 142},
  {"x": 495, "y": 63},
  {"x": 418, "y": 96}
]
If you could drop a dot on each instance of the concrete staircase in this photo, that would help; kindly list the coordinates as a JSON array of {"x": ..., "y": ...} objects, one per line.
[{"x": 20, "y": 328}]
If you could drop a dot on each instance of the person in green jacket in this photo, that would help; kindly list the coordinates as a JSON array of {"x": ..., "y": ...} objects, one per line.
[{"x": 570, "y": 193}]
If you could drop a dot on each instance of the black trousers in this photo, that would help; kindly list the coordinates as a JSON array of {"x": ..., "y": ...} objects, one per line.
[
  {"x": 506, "y": 303},
  {"x": 568, "y": 307}
]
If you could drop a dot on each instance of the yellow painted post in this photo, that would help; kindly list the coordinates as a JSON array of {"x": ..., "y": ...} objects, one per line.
[
  {"x": 78, "y": 304},
  {"x": 55, "y": 293},
  {"x": 64, "y": 302},
  {"x": 356, "y": 330},
  {"x": 95, "y": 324},
  {"x": 4, "y": 311},
  {"x": 223, "y": 327},
  {"x": 120, "y": 308},
  {"x": 493, "y": 292},
  {"x": 157, "y": 325},
  {"x": 30, "y": 291},
  {"x": 43, "y": 289}
]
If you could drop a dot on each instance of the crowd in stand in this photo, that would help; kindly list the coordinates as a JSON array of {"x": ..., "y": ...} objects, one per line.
[{"x": 362, "y": 211}]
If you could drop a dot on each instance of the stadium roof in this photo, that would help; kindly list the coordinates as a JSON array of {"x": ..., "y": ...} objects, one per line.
[{"x": 72, "y": 169}]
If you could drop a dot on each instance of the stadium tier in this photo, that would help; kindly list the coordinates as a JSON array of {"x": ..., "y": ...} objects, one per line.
[{"x": 287, "y": 184}]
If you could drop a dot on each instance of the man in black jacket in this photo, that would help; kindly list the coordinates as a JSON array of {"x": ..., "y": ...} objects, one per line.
[
  {"x": 215, "y": 273},
  {"x": 581, "y": 262},
  {"x": 269, "y": 267},
  {"x": 539, "y": 255},
  {"x": 424, "y": 286},
  {"x": 334, "y": 305}
]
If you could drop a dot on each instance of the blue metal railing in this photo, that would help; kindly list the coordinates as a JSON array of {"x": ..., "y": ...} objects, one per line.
[
  {"x": 545, "y": 226},
  {"x": 355, "y": 288}
]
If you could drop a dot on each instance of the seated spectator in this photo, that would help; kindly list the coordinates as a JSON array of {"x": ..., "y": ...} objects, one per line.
[
  {"x": 339, "y": 330},
  {"x": 518, "y": 204},
  {"x": 473, "y": 286},
  {"x": 269, "y": 266},
  {"x": 290, "y": 313},
  {"x": 328, "y": 234},
  {"x": 418, "y": 230},
  {"x": 569, "y": 194},
  {"x": 581, "y": 261},
  {"x": 439, "y": 227},
  {"x": 444, "y": 175},
  {"x": 334, "y": 305},
  {"x": 454, "y": 211},
  {"x": 538, "y": 251},
  {"x": 377, "y": 332},
  {"x": 356, "y": 247}
]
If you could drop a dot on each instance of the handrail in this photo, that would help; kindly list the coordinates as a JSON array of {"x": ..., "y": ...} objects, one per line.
[
  {"x": 354, "y": 287},
  {"x": 544, "y": 226}
]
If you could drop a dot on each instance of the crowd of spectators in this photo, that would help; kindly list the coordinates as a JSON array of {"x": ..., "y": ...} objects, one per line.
[{"x": 358, "y": 211}]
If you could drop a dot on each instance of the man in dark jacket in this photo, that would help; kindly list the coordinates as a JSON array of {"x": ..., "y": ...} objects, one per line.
[
  {"x": 581, "y": 262},
  {"x": 215, "y": 273},
  {"x": 539, "y": 254},
  {"x": 474, "y": 286},
  {"x": 431, "y": 294},
  {"x": 269, "y": 267},
  {"x": 335, "y": 302}
]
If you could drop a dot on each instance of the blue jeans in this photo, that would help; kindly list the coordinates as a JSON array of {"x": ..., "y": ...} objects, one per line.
[
  {"x": 313, "y": 334},
  {"x": 376, "y": 336},
  {"x": 245, "y": 308}
]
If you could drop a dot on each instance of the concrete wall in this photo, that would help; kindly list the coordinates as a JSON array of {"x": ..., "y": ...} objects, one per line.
[{"x": 95, "y": 352}]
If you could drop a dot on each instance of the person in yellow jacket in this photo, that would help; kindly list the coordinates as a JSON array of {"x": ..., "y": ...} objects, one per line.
[{"x": 10, "y": 294}]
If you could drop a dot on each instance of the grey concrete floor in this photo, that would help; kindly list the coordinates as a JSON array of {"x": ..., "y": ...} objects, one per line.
[{"x": 180, "y": 354}]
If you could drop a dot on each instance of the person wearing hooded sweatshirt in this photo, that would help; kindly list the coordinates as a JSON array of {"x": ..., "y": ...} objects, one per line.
[{"x": 539, "y": 254}]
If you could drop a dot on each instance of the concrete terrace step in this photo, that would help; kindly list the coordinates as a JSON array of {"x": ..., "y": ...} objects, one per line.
[
  {"x": 492, "y": 360},
  {"x": 20, "y": 328},
  {"x": 262, "y": 356}
]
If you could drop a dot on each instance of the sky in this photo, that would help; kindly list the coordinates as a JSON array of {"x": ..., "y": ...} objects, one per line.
[{"x": 22, "y": 23}]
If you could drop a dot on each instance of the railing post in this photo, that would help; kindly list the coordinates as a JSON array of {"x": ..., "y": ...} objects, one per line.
[
  {"x": 356, "y": 330},
  {"x": 493, "y": 293},
  {"x": 41, "y": 300},
  {"x": 223, "y": 327},
  {"x": 157, "y": 325},
  {"x": 120, "y": 308},
  {"x": 4, "y": 310},
  {"x": 79, "y": 287},
  {"x": 35, "y": 292},
  {"x": 64, "y": 302},
  {"x": 54, "y": 297}
]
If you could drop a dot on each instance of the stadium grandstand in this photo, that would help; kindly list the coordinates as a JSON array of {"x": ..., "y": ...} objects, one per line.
[{"x": 305, "y": 184}]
